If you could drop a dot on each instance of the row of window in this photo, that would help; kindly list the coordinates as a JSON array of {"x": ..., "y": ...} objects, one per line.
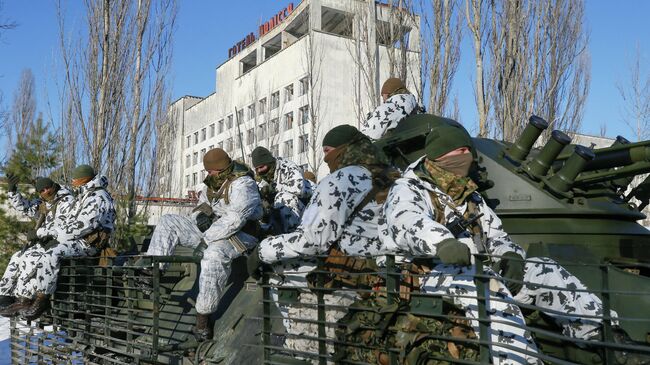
[{"x": 253, "y": 111}]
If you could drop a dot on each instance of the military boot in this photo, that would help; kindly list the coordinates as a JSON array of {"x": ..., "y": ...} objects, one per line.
[
  {"x": 6, "y": 300},
  {"x": 202, "y": 330},
  {"x": 40, "y": 305},
  {"x": 13, "y": 309},
  {"x": 624, "y": 356}
]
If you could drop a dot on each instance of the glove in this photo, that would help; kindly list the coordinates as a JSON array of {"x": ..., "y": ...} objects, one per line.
[
  {"x": 203, "y": 221},
  {"x": 12, "y": 183},
  {"x": 511, "y": 268},
  {"x": 254, "y": 265},
  {"x": 49, "y": 243},
  {"x": 453, "y": 252},
  {"x": 32, "y": 236}
]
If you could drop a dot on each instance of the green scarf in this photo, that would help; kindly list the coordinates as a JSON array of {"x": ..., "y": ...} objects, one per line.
[{"x": 457, "y": 187}]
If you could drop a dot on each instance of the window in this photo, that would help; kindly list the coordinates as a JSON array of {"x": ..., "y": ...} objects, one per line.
[
  {"x": 240, "y": 115},
  {"x": 187, "y": 181},
  {"x": 275, "y": 100},
  {"x": 304, "y": 114},
  {"x": 288, "y": 148},
  {"x": 211, "y": 147},
  {"x": 261, "y": 132},
  {"x": 220, "y": 126},
  {"x": 303, "y": 143},
  {"x": 188, "y": 141},
  {"x": 275, "y": 150},
  {"x": 229, "y": 124},
  {"x": 195, "y": 158},
  {"x": 288, "y": 93},
  {"x": 211, "y": 130},
  {"x": 229, "y": 144},
  {"x": 251, "y": 111},
  {"x": 250, "y": 136},
  {"x": 262, "y": 106},
  {"x": 194, "y": 179},
  {"x": 203, "y": 135},
  {"x": 288, "y": 121},
  {"x": 202, "y": 152},
  {"x": 274, "y": 126},
  {"x": 196, "y": 137},
  {"x": 188, "y": 160},
  {"x": 304, "y": 85}
]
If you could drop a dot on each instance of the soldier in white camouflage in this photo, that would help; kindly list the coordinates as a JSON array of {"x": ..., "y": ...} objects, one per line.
[
  {"x": 49, "y": 211},
  {"x": 398, "y": 103},
  {"x": 282, "y": 186},
  {"x": 88, "y": 226},
  {"x": 223, "y": 225},
  {"x": 434, "y": 192},
  {"x": 341, "y": 215}
]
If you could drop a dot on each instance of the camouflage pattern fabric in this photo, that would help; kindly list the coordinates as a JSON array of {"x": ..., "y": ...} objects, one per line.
[
  {"x": 324, "y": 220},
  {"x": 92, "y": 210},
  {"x": 388, "y": 114},
  {"x": 372, "y": 325},
  {"x": 19, "y": 278},
  {"x": 410, "y": 227},
  {"x": 243, "y": 205},
  {"x": 287, "y": 205},
  {"x": 560, "y": 300},
  {"x": 301, "y": 317}
]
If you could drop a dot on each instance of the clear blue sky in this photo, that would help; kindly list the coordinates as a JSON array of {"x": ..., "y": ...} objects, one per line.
[{"x": 207, "y": 28}]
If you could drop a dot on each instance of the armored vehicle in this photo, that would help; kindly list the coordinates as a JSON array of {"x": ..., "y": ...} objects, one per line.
[{"x": 568, "y": 202}]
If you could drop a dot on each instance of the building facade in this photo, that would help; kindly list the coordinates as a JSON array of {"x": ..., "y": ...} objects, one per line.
[{"x": 311, "y": 67}]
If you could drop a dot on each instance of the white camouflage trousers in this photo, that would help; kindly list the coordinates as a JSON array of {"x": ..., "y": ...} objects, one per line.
[
  {"x": 507, "y": 324},
  {"x": 173, "y": 230},
  {"x": 19, "y": 279},
  {"x": 552, "y": 288},
  {"x": 307, "y": 310},
  {"x": 50, "y": 262}
]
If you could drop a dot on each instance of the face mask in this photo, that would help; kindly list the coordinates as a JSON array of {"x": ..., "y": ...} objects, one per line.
[
  {"x": 77, "y": 183},
  {"x": 333, "y": 158},
  {"x": 457, "y": 164}
]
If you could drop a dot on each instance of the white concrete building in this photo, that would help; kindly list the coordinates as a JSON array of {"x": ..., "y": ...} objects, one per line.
[{"x": 285, "y": 85}]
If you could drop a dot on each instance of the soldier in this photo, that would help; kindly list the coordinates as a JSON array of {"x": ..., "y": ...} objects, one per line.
[
  {"x": 434, "y": 192},
  {"x": 49, "y": 212},
  {"x": 224, "y": 221},
  {"x": 341, "y": 217},
  {"x": 282, "y": 187},
  {"x": 398, "y": 103},
  {"x": 88, "y": 225}
]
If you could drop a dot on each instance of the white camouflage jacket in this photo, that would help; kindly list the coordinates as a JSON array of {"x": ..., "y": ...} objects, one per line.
[
  {"x": 244, "y": 204},
  {"x": 289, "y": 186},
  {"x": 55, "y": 219},
  {"x": 388, "y": 114},
  {"x": 92, "y": 209},
  {"x": 408, "y": 225},
  {"x": 325, "y": 220}
]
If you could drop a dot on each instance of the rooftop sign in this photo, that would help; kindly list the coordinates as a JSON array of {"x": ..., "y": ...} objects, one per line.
[{"x": 275, "y": 20}]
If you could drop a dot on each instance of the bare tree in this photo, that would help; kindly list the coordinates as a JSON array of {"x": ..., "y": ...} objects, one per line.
[
  {"x": 539, "y": 61},
  {"x": 440, "y": 47},
  {"x": 635, "y": 92},
  {"x": 476, "y": 14},
  {"x": 115, "y": 90},
  {"x": 23, "y": 112},
  {"x": 314, "y": 126}
]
